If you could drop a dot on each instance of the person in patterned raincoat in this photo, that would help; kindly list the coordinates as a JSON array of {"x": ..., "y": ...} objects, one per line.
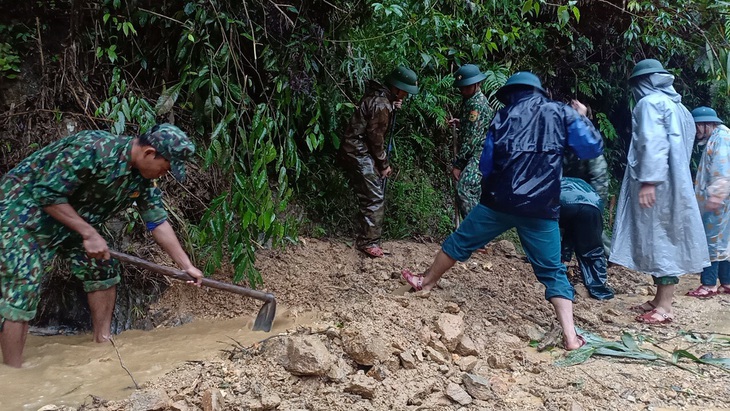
[
  {"x": 712, "y": 188},
  {"x": 473, "y": 122},
  {"x": 54, "y": 201},
  {"x": 366, "y": 155}
]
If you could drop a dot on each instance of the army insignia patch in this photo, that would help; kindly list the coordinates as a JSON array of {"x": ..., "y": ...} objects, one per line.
[
  {"x": 473, "y": 115},
  {"x": 134, "y": 194}
]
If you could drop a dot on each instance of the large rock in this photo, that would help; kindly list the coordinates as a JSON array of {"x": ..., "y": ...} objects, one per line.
[
  {"x": 451, "y": 327},
  {"x": 363, "y": 386},
  {"x": 477, "y": 386},
  {"x": 149, "y": 400},
  {"x": 466, "y": 347},
  {"x": 308, "y": 355},
  {"x": 407, "y": 360},
  {"x": 365, "y": 349},
  {"x": 456, "y": 393}
]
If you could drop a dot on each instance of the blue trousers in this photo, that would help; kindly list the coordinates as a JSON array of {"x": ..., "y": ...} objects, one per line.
[
  {"x": 540, "y": 239},
  {"x": 717, "y": 269}
]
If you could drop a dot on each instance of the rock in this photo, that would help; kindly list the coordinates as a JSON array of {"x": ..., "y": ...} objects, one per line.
[
  {"x": 451, "y": 327},
  {"x": 477, "y": 386},
  {"x": 363, "y": 348},
  {"x": 436, "y": 356},
  {"x": 270, "y": 400},
  {"x": 378, "y": 372},
  {"x": 213, "y": 400},
  {"x": 456, "y": 393},
  {"x": 363, "y": 386},
  {"x": 467, "y": 364},
  {"x": 452, "y": 308},
  {"x": 149, "y": 400},
  {"x": 407, "y": 360},
  {"x": 506, "y": 247},
  {"x": 575, "y": 406},
  {"x": 419, "y": 355},
  {"x": 496, "y": 362},
  {"x": 440, "y": 347},
  {"x": 307, "y": 355},
  {"x": 179, "y": 406},
  {"x": 339, "y": 371},
  {"x": 276, "y": 348},
  {"x": 466, "y": 346}
]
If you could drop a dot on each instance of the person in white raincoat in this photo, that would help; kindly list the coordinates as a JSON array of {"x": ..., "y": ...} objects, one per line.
[
  {"x": 712, "y": 188},
  {"x": 658, "y": 226}
]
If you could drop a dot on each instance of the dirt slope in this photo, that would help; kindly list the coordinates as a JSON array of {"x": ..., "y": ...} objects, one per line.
[{"x": 503, "y": 309}]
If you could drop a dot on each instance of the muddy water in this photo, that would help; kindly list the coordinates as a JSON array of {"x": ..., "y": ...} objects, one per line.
[{"x": 65, "y": 370}]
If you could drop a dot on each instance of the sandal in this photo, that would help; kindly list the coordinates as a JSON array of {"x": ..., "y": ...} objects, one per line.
[
  {"x": 373, "y": 251},
  {"x": 651, "y": 318},
  {"x": 415, "y": 281},
  {"x": 642, "y": 308},
  {"x": 702, "y": 292},
  {"x": 723, "y": 289}
]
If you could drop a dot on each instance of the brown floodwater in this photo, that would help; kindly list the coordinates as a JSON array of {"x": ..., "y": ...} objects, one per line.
[{"x": 66, "y": 370}]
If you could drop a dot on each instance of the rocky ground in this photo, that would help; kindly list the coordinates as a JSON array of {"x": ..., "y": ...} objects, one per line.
[{"x": 468, "y": 345}]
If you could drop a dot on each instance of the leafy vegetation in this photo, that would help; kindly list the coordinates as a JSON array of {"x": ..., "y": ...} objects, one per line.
[{"x": 266, "y": 88}]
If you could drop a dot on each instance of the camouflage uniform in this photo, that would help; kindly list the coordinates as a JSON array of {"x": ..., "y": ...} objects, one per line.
[
  {"x": 91, "y": 172},
  {"x": 475, "y": 115},
  {"x": 365, "y": 155}
]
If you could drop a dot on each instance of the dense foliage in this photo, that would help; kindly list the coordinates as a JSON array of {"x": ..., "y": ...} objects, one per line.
[{"x": 266, "y": 88}]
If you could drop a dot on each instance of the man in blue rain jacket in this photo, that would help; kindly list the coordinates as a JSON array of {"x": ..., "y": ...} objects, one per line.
[{"x": 521, "y": 164}]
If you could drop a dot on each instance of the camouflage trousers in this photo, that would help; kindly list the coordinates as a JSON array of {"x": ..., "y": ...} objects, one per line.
[
  {"x": 469, "y": 188},
  {"x": 24, "y": 260},
  {"x": 371, "y": 198}
]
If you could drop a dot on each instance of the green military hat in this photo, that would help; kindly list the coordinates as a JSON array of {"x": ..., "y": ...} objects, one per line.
[
  {"x": 404, "y": 79},
  {"x": 172, "y": 144},
  {"x": 647, "y": 66},
  {"x": 467, "y": 75},
  {"x": 521, "y": 78},
  {"x": 705, "y": 115}
]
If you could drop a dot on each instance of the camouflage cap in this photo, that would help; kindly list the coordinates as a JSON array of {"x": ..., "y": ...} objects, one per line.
[{"x": 172, "y": 144}]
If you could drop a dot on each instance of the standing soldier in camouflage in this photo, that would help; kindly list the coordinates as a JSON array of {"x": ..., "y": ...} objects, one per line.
[
  {"x": 54, "y": 202},
  {"x": 473, "y": 121},
  {"x": 366, "y": 155}
]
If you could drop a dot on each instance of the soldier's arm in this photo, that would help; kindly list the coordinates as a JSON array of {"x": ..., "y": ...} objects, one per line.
[
  {"x": 165, "y": 236},
  {"x": 94, "y": 243},
  {"x": 473, "y": 131},
  {"x": 151, "y": 208},
  {"x": 598, "y": 170},
  {"x": 376, "y": 131}
]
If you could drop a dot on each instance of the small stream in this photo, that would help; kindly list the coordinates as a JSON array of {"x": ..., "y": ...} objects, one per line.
[{"x": 65, "y": 370}]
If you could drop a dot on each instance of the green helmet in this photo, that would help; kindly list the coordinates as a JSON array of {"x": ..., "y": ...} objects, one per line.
[
  {"x": 404, "y": 79},
  {"x": 647, "y": 66},
  {"x": 467, "y": 75},
  {"x": 521, "y": 78},
  {"x": 705, "y": 115}
]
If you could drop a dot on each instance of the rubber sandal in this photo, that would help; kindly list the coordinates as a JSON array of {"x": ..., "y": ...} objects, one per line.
[
  {"x": 723, "y": 289},
  {"x": 640, "y": 308},
  {"x": 702, "y": 292},
  {"x": 650, "y": 318},
  {"x": 415, "y": 281},
  {"x": 373, "y": 251}
]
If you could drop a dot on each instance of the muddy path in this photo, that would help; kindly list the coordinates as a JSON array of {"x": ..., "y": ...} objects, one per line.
[{"x": 375, "y": 346}]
